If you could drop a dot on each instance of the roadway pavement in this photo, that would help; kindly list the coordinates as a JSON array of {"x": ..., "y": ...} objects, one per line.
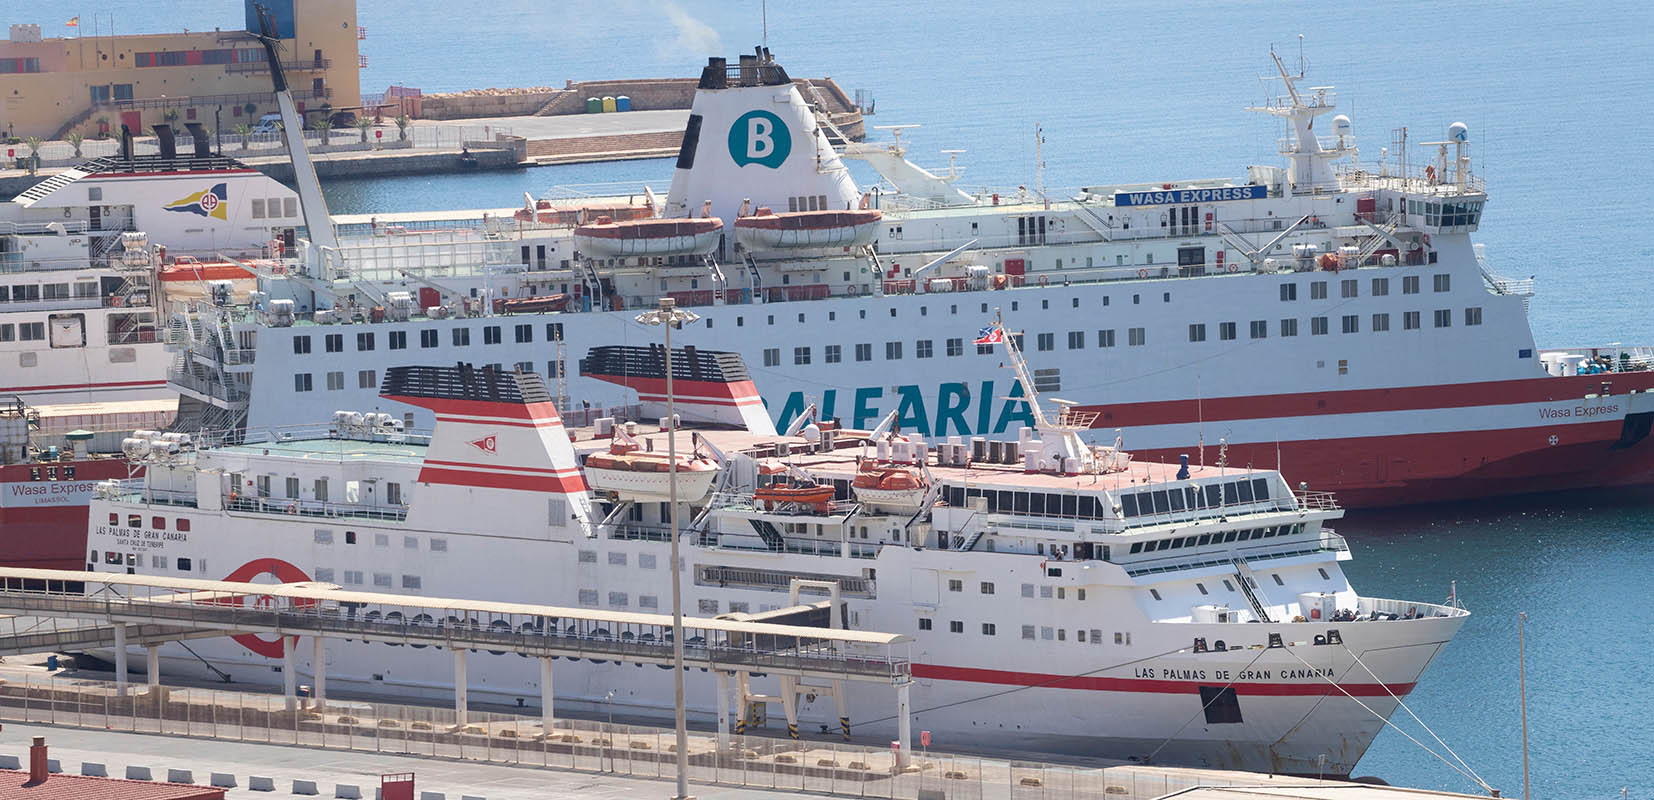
[{"x": 569, "y": 125}]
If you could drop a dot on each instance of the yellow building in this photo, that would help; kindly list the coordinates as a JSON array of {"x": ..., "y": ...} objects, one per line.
[{"x": 220, "y": 78}]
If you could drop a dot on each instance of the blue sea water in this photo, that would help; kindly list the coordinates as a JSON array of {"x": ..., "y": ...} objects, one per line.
[{"x": 1557, "y": 99}]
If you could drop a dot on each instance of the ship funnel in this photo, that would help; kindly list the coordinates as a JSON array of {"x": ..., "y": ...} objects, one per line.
[
  {"x": 754, "y": 137},
  {"x": 126, "y": 143},
  {"x": 203, "y": 148},
  {"x": 164, "y": 137}
]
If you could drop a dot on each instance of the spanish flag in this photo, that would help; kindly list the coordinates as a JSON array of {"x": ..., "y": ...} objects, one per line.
[{"x": 74, "y": 22}]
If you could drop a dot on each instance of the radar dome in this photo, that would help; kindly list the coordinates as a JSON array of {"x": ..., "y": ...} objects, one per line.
[
  {"x": 1341, "y": 125},
  {"x": 1458, "y": 132}
]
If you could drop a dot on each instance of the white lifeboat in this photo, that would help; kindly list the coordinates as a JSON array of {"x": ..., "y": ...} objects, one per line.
[
  {"x": 648, "y": 237},
  {"x": 893, "y": 488},
  {"x": 768, "y": 230},
  {"x": 634, "y": 474}
]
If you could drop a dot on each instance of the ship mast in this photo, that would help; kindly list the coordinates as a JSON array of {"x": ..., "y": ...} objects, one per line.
[{"x": 1061, "y": 449}]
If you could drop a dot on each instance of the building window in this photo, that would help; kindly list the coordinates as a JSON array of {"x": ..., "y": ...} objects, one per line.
[
  {"x": 864, "y": 352},
  {"x": 1381, "y": 323},
  {"x": 398, "y": 340},
  {"x": 1197, "y": 332},
  {"x": 1289, "y": 292},
  {"x": 1442, "y": 282},
  {"x": 1410, "y": 320},
  {"x": 1444, "y": 318},
  {"x": 1410, "y": 284},
  {"x": 364, "y": 340},
  {"x": 1473, "y": 316},
  {"x": 1226, "y": 331},
  {"x": 462, "y": 337},
  {"x": 772, "y": 356},
  {"x": 427, "y": 338},
  {"x": 892, "y": 351},
  {"x": 1352, "y": 323},
  {"x": 1317, "y": 326},
  {"x": 1348, "y": 288},
  {"x": 1105, "y": 338},
  {"x": 832, "y": 354},
  {"x": 801, "y": 355},
  {"x": 1317, "y": 290},
  {"x": 1259, "y": 329},
  {"x": 923, "y": 348},
  {"x": 1135, "y": 337},
  {"x": 301, "y": 382}
]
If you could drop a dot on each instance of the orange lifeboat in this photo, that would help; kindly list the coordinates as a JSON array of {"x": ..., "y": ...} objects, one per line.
[
  {"x": 648, "y": 237},
  {"x": 634, "y": 474},
  {"x": 768, "y": 230},
  {"x": 891, "y": 487},
  {"x": 817, "y": 496}
]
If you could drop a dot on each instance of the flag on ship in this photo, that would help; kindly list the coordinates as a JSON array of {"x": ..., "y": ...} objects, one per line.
[
  {"x": 993, "y": 334},
  {"x": 74, "y": 22},
  {"x": 1453, "y": 593}
]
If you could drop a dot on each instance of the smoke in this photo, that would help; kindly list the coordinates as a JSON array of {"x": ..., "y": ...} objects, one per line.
[{"x": 694, "y": 36}]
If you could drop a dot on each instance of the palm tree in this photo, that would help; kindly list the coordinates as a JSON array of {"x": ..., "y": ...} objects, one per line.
[
  {"x": 364, "y": 124},
  {"x": 75, "y": 138},
  {"x": 402, "y": 123},
  {"x": 245, "y": 133},
  {"x": 34, "y": 152},
  {"x": 171, "y": 115},
  {"x": 323, "y": 126}
]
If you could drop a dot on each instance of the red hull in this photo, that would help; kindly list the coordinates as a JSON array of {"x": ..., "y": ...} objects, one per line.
[
  {"x": 43, "y": 526},
  {"x": 1366, "y": 472}
]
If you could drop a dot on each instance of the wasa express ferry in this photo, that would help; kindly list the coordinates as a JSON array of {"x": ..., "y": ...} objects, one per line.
[
  {"x": 1326, "y": 315},
  {"x": 1056, "y": 590}
]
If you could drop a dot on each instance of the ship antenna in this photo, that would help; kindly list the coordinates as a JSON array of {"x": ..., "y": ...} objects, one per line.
[
  {"x": 764, "y": 12},
  {"x": 1300, "y": 55}
]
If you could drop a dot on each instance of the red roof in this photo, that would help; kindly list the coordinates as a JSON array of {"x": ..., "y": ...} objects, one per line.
[{"x": 14, "y": 785}]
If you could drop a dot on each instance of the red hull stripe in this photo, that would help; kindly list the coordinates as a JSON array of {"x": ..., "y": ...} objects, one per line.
[
  {"x": 1364, "y": 401},
  {"x": 702, "y": 401},
  {"x": 545, "y": 424},
  {"x": 486, "y": 467},
  {"x": 695, "y": 390},
  {"x": 551, "y": 484},
  {"x": 537, "y": 412},
  {"x": 52, "y": 388},
  {"x": 1140, "y": 685}
]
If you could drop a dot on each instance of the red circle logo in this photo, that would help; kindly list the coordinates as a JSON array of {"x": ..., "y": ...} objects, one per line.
[
  {"x": 209, "y": 201},
  {"x": 284, "y": 573}
]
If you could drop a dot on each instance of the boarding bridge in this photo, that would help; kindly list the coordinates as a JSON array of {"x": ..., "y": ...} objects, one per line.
[{"x": 60, "y": 610}]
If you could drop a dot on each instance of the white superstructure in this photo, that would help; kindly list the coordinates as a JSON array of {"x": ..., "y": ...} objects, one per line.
[{"x": 1055, "y": 591}]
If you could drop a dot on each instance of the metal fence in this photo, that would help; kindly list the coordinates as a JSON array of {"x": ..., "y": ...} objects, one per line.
[
  {"x": 828, "y": 767},
  {"x": 419, "y": 137}
]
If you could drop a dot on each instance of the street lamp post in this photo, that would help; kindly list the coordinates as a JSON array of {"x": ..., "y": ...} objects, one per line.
[{"x": 670, "y": 316}]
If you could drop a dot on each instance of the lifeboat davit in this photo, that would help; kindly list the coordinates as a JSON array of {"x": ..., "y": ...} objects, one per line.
[
  {"x": 891, "y": 488},
  {"x": 768, "y": 230},
  {"x": 634, "y": 474},
  {"x": 817, "y": 496},
  {"x": 607, "y": 238}
]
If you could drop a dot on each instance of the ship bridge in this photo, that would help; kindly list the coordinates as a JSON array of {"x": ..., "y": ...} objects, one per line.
[{"x": 70, "y": 610}]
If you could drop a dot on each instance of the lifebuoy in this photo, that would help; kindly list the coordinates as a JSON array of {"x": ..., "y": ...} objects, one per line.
[
  {"x": 850, "y": 290},
  {"x": 1142, "y": 273},
  {"x": 1430, "y": 173},
  {"x": 1234, "y": 268},
  {"x": 1042, "y": 280},
  {"x": 292, "y": 508}
]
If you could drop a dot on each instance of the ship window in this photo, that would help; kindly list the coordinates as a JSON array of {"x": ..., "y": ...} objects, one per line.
[
  {"x": 1214, "y": 495},
  {"x": 1128, "y": 505},
  {"x": 1244, "y": 490},
  {"x": 1028, "y": 632},
  {"x": 1155, "y": 593},
  {"x": 1246, "y": 534},
  {"x": 1163, "y": 544},
  {"x": 988, "y": 629},
  {"x": 924, "y": 623},
  {"x": 1136, "y": 547},
  {"x": 134, "y": 520},
  {"x": 1201, "y": 587},
  {"x": 1191, "y": 496},
  {"x": 1227, "y": 585},
  {"x": 1221, "y": 705},
  {"x": 956, "y": 626},
  {"x": 1230, "y": 494},
  {"x": 1318, "y": 290},
  {"x": 1070, "y": 505},
  {"x": 1087, "y": 507},
  {"x": 1176, "y": 496},
  {"x": 1444, "y": 318},
  {"x": 1277, "y": 577},
  {"x": 1473, "y": 316},
  {"x": 184, "y": 565},
  {"x": 1036, "y": 503},
  {"x": 1021, "y": 501},
  {"x": 1205, "y": 539},
  {"x": 462, "y": 337},
  {"x": 183, "y": 524},
  {"x": 1161, "y": 503}
]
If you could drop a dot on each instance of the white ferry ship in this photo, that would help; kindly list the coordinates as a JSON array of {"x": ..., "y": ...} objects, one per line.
[
  {"x": 1330, "y": 316},
  {"x": 88, "y": 259},
  {"x": 1056, "y": 591}
]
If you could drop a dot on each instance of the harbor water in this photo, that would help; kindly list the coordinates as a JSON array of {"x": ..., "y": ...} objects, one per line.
[{"x": 1555, "y": 96}]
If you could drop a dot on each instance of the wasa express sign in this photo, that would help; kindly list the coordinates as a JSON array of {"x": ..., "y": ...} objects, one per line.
[
  {"x": 1177, "y": 196},
  {"x": 759, "y": 137}
]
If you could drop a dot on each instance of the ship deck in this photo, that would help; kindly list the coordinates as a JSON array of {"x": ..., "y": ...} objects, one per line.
[{"x": 333, "y": 449}]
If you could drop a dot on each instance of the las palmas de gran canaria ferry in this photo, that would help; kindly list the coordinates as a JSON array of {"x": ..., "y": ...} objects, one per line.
[
  {"x": 1055, "y": 591},
  {"x": 1330, "y": 316}
]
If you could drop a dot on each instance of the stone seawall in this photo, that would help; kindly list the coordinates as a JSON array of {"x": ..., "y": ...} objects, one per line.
[{"x": 647, "y": 94}]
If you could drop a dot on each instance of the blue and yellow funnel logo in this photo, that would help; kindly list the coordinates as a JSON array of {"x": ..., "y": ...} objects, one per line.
[
  {"x": 207, "y": 203},
  {"x": 759, "y": 137}
]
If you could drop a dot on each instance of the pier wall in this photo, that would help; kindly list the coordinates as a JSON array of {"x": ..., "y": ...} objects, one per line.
[{"x": 647, "y": 94}]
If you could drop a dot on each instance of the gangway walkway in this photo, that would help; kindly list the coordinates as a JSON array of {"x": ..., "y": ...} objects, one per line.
[{"x": 150, "y": 610}]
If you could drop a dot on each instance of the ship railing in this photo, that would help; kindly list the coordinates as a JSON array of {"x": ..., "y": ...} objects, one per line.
[
  {"x": 1619, "y": 358},
  {"x": 1326, "y": 542},
  {"x": 1316, "y": 501},
  {"x": 1414, "y": 180},
  {"x": 1379, "y": 608},
  {"x": 313, "y": 508}
]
